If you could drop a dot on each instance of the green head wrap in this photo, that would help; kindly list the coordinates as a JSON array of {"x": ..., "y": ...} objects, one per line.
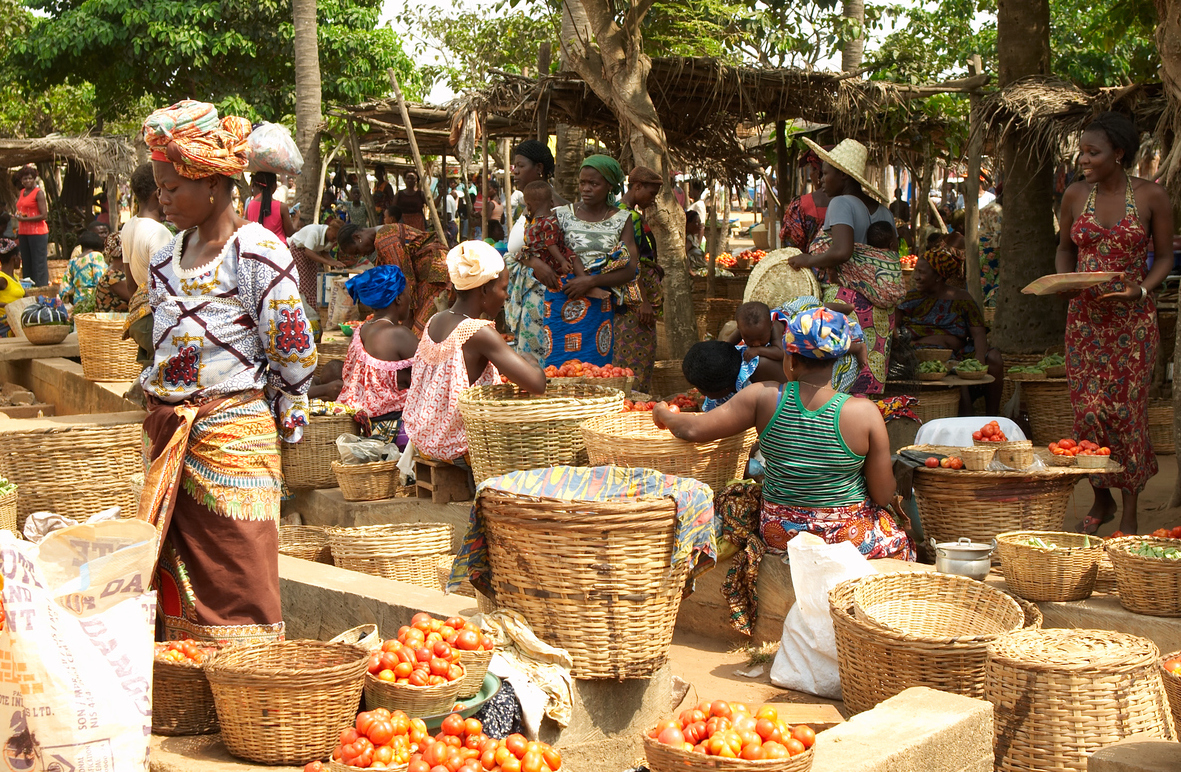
[{"x": 609, "y": 168}]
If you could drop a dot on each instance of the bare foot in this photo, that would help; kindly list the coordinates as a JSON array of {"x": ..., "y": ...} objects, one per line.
[
  {"x": 1102, "y": 512},
  {"x": 1128, "y": 523}
]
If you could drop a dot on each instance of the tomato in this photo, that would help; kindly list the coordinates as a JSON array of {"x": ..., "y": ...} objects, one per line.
[
  {"x": 794, "y": 746},
  {"x": 383, "y": 754},
  {"x": 775, "y": 750},
  {"x": 423, "y": 654},
  {"x": 753, "y": 753},
  {"x": 381, "y": 731},
  {"x": 455, "y": 672},
  {"x": 932, "y": 462},
  {"x": 750, "y": 738},
  {"x": 315, "y": 766},
  {"x": 551, "y": 757},
  {"x": 977, "y": 436},
  {"x": 720, "y": 708},
  {"x": 375, "y": 663},
  {"x": 671, "y": 736},
  {"x": 764, "y": 727},
  {"x": 532, "y": 762},
  {"x": 695, "y": 732},
  {"x": 516, "y": 745},
  {"x": 467, "y": 640},
  {"x": 442, "y": 650},
  {"x": 419, "y": 677},
  {"x": 957, "y": 463},
  {"x": 349, "y": 736},
  {"x": 487, "y": 760},
  {"x": 1173, "y": 665},
  {"x": 805, "y": 735},
  {"x": 716, "y": 724},
  {"x": 512, "y": 764}
]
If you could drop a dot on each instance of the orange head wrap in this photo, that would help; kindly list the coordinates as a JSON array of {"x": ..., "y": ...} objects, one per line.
[{"x": 191, "y": 137}]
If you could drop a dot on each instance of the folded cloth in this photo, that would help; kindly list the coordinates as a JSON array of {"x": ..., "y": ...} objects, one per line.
[
  {"x": 893, "y": 408},
  {"x": 739, "y": 506},
  {"x": 695, "y": 509},
  {"x": 540, "y": 672}
]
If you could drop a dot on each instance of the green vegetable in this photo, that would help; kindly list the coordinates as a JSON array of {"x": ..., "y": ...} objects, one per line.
[
  {"x": 1036, "y": 541},
  {"x": 6, "y": 487},
  {"x": 970, "y": 366},
  {"x": 1020, "y": 369},
  {"x": 1053, "y": 360},
  {"x": 931, "y": 366},
  {"x": 1145, "y": 550}
]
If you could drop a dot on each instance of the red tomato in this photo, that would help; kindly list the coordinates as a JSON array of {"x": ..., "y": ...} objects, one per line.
[
  {"x": 315, "y": 766},
  {"x": 794, "y": 746},
  {"x": 774, "y": 750},
  {"x": 467, "y": 640},
  {"x": 671, "y": 736},
  {"x": 977, "y": 435},
  {"x": 442, "y": 650},
  {"x": 932, "y": 462},
  {"x": 516, "y": 745},
  {"x": 804, "y": 734}
]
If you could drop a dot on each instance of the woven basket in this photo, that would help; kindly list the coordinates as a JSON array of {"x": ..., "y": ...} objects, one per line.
[
  {"x": 1051, "y": 416},
  {"x": 367, "y": 482},
  {"x": 932, "y": 377},
  {"x": 414, "y": 701},
  {"x": 668, "y": 379},
  {"x": 46, "y": 334},
  {"x": 406, "y": 552},
  {"x": 182, "y": 702},
  {"x": 876, "y": 664},
  {"x": 475, "y": 666},
  {"x": 980, "y": 505},
  {"x": 105, "y": 355},
  {"x": 364, "y": 636},
  {"x": 508, "y": 431},
  {"x": 1058, "y": 695},
  {"x": 934, "y": 605},
  {"x": 933, "y": 354},
  {"x": 1172, "y": 683},
  {"x": 933, "y": 405},
  {"x": 1105, "y": 573},
  {"x": 97, "y": 462},
  {"x": 607, "y": 571},
  {"x": 718, "y": 311},
  {"x": 1008, "y": 384},
  {"x": 285, "y": 703},
  {"x": 632, "y": 440},
  {"x": 1063, "y": 574},
  {"x": 1015, "y": 457},
  {"x": 1146, "y": 585},
  {"x": 622, "y": 382},
  {"x": 1058, "y": 371},
  {"x": 1160, "y": 426},
  {"x": 665, "y": 758},
  {"x": 8, "y": 510},
  {"x": 308, "y": 463},
  {"x": 971, "y": 375},
  {"x": 306, "y": 542},
  {"x": 1033, "y": 614},
  {"x": 1026, "y": 377},
  {"x": 774, "y": 281}
]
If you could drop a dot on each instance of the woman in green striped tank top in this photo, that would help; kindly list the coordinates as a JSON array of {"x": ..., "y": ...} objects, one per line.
[{"x": 826, "y": 454}]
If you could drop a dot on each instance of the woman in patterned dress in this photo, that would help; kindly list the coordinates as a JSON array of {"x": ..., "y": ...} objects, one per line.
[
  {"x": 804, "y": 216},
  {"x": 233, "y": 359},
  {"x": 1111, "y": 329}
]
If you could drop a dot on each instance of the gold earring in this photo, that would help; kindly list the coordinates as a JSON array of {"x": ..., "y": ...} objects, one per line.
[{"x": 211, "y": 200}]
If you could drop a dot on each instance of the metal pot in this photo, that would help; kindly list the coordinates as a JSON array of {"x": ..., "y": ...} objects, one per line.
[{"x": 964, "y": 558}]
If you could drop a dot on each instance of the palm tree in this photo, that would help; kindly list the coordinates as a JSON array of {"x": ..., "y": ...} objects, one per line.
[
  {"x": 853, "y": 49},
  {"x": 307, "y": 104}
]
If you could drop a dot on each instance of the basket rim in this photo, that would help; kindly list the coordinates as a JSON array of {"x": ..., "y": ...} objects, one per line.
[
  {"x": 947, "y": 579},
  {"x": 1122, "y": 544},
  {"x": 600, "y": 395},
  {"x": 599, "y": 425},
  {"x": 391, "y": 528},
  {"x": 1172, "y": 677},
  {"x": 999, "y": 652},
  {"x": 1009, "y": 538},
  {"x": 372, "y": 680},
  {"x": 223, "y": 663},
  {"x": 371, "y": 466},
  {"x": 692, "y": 758},
  {"x": 522, "y": 497}
]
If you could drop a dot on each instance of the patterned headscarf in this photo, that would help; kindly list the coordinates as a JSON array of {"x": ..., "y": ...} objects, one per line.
[
  {"x": 379, "y": 287},
  {"x": 945, "y": 261},
  {"x": 817, "y": 333},
  {"x": 113, "y": 250},
  {"x": 199, "y": 144},
  {"x": 7, "y": 245},
  {"x": 608, "y": 167}
]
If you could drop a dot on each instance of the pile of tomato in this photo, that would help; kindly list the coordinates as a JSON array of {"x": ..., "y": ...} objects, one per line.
[
  {"x": 186, "y": 651},
  {"x": 462, "y": 746},
  {"x": 751, "y": 255},
  {"x": 728, "y": 729},
  {"x": 380, "y": 739},
  {"x": 575, "y": 369},
  {"x": 427, "y": 651},
  {"x": 1173, "y": 665},
  {"x": 947, "y": 462},
  {"x": 456, "y": 631},
  {"x": 990, "y": 432},
  {"x": 1069, "y": 447},
  {"x": 680, "y": 402},
  {"x": 909, "y": 261}
]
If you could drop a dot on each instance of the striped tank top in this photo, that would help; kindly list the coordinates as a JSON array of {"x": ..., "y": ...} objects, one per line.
[{"x": 807, "y": 462}]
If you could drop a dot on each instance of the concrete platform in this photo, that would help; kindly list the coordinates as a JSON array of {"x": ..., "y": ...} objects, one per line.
[
  {"x": 12, "y": 349},
  {"x": 1137, "y": 754},
  {"x": 327, "y": 507},
  {"x": 59, "y": 382}
]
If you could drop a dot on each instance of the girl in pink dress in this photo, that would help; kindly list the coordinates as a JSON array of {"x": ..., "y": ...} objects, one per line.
[{"x": 271, "y": 213}]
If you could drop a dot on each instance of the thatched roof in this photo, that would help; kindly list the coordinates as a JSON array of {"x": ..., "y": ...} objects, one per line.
[
  {"x": 386, "y": 134},
  {"x": 100, "y": 156}
]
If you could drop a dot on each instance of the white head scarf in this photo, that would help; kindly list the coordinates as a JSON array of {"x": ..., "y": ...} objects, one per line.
[{"x": 473, "y": 264}]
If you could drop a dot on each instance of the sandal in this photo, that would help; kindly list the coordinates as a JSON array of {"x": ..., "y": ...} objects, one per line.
[{"x": 1082, "y": 527}]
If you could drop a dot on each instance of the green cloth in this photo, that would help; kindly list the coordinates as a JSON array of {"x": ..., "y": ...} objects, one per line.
[{"x": 609, "y": 168}]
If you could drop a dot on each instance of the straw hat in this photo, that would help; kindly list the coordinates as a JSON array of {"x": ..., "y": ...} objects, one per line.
[{"x": 848, "y": 156}]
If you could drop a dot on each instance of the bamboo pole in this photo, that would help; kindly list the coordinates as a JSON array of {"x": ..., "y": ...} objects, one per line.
[
  {"x": 315, "y": 215},
  {"x": 422, "y": 180},
  {"x": 971, "y": 192},
  {"x": 362, "y": 175},
  {"x": 508, "y": 189},
  {"x": 484, "y": 178}
]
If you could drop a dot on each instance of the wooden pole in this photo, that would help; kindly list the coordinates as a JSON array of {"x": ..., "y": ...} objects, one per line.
[
  {"x": 315, "y": 215},
  {"x": 362, "y": 175},
  {"x": 782, "y": 180},
  {"x": 430, "y": 200},
  {"x": 971, "y": 194},
  {"x": 508, "y": 189},
  {"x": 712, "y": 244},
  {"x": 544, "y": 55},
  {"x": 484, "y": 178},
  {"x": 113, "y": 203},
  {"x": 444, "y": 194}
]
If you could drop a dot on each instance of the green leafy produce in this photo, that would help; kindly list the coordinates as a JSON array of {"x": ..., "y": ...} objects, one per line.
[
  {"x": 6, "y": 487},
  {"x": 1037, "y": 541},
  {"x": 1020, "y": 369},
  {"x": 1053, "y": 360},
  {"x": 1146, "y": 550},
  {"x": 971, "y": 366},
  {"x": 932, "y": 366}
]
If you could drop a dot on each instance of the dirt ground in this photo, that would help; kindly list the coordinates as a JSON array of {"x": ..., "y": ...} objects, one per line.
[{"x": 1154, "y": 510}]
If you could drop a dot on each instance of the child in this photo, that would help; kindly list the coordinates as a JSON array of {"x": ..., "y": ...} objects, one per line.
[
  {"x": 10, "y": 287},
  {"x": 84, "y": 271},
  {"x": 717, "y": 370},
  {"x": 880, "y": 235},
  {"x": 543, "y": 235}
]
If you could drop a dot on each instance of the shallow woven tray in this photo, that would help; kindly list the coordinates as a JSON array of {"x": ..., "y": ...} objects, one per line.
[
  {"x": 285, "y": 703},
  {"x": 934, "y": 605},
  {"x": 415, "y": 701},
  {"x": 971, "y": 375},
  {"x": 1058, "y": 695},
  {"x": 933, "y": 354},
  {"x": 375, "y": 481},
  {"x": 1146, "y": 585},
  {"x": 929, "y": 377},
  {"x": 1172, "y": 683},
  {"x": 665, "y": 758},
  {"x": 774, "y": 282},
  {"x": 46, "y": 334},
  {"x": 105, "y": 355},
  {"x": 632, "y": 440},
  {"x": 509, "y": 431},
  {"x": 306, "y": 542},
  {"x": 1064, "y": 574},
  {"x": 406, "y": 552},
  {"x": 308, "y": 463}
]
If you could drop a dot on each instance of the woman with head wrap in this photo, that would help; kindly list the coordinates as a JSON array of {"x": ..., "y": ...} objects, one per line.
[
  {"x": 460, "y": 348},
  {"x": 377, "y": 366},
  {"x": 233, "y": 359},
  {"x": 529, "y": 275},
  {"x": 579, "y": 321},
  {"x": 804, "y": 215},
  {"x": 826, "y": 455},
  {"x": 113, "y": 292},
  {"x": 939, "y": 313},
  {"x": 635, "y": 321}
]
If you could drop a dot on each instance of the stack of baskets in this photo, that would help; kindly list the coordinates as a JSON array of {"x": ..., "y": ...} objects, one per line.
[
  {"x": 1050, "y": 415},
  {"x": 329, "y": 349},
  {"x": 1064, "y": 570},
  {"x": 668, "y": 379},
  {"x": 895, "y": 631},
  {"x": 375, "y": 481},
  {"x": 308, "y": 463},
  {"x": 1146, "y": 585},
  {"x": 105, "y": 355},
  {"x": 8, "y": 510},
  {"x": 508, "y": 431},
  {"x": 632, "y": 440},
  {"x": 306, "y": 542},
  {"x": 406, "y": 552},
  {"x": 182, "y": 702},
  {"x": 1172, "y": 688},
  {"x": 1059, "y": 695},
  {"x": 1160, "y": 426}
]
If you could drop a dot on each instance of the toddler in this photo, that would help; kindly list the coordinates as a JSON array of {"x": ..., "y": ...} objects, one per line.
[
  {"x": 880, "y": 235},
  {"x": 760, "y": 329},
  {"x": 543, "y": 235}
]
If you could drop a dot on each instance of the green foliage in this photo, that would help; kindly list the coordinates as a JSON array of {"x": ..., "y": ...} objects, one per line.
[
  {"x": 932, "y": 41},
  {"x": 235, "y": 53},
  {"x": 1114, "y": 45}
]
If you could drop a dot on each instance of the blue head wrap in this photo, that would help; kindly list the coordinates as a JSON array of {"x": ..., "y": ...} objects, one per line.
[
  {"x": 379, "y": 287},
  {"x": 817, "y": 333}
]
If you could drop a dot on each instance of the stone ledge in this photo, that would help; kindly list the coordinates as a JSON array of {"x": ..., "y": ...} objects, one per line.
[
  {"x": 327, "y": 507},
  {"x": 1137, "y": 754}
]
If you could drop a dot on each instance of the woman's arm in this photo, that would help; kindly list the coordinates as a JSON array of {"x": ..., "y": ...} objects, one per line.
[
  {"x": 511, "y": 365},
  {"x": 123, "y": 288},
  {"x": 1066, "y": 258},
  {"x": 879, "y": 469},
  {"x": 42, "y": 208},
  {"x": 580, "y": 285},
  {"x": 285, "y": 214},
  {"x": 737, "y": 415},
  {"x": 838, "y": 252},
  {"x": 318, "y": 258}
]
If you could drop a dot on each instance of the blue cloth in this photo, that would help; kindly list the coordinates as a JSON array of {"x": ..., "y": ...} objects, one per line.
[
  {"x": 818, "y": 333},
  {"x": 577, "y": 329},
  {"x": 379, "y": 287}
]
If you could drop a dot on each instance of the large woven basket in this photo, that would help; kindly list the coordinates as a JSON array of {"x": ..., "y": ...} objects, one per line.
[
  {"x": 306, "y": 542},
  {"x": 1065, "y": 573},
  {"x": 1146, "y": 585},
  {"x": 1058, "y": 695},
  {"x": 182, "y": 702},
  {"x": 717, "y": 312},
  {"x": 621, "y": 382},
  {"x": 980, "y": 505},
  {"x": 367, "y": 482},
  {"x": 876, "y": 664},
  {"x": 8, "y": 509},
  {"x": 105, "y": 355},
  {"x": 588, "y": 576},
  {"x": 74, "y": 471},
  {"x": 406, "y": 552},
  {"x": 285, "y": 703},
  {"x": 774, "y": 281},
  {"x": 632, "y": 440},
  {"x": 46, "y": 334},
  {"x": 308, "y": 463},
  {"x": 1051, "y": 416},
  {"x": 668, "y": 379},
  {"x": 508, "y": 431},
  {"x": 665, "y": 758},
  {"x": 937, "y": 403},
  {"x": 414, "y": 701},
  {"x": 934, "y": 605},
  {"x": 933, "y": 354},
  {"x": 1172, "y": 683},
  {"x": 1160, "y": 426}
]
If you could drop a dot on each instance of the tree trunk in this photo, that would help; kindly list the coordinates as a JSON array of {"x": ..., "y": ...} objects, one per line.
[
  {"x": 307, "y": 106},
  {"x": 854, "y": 49},
  {"x": 1025, "y": 323},
  {"x": 571, "y": 146}
]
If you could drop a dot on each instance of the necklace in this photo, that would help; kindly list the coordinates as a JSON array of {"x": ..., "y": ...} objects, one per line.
[{"x": 458, "y": 313}]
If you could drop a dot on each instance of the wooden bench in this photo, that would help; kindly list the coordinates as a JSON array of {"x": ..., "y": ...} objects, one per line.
[{"x": 441, "y": 481}]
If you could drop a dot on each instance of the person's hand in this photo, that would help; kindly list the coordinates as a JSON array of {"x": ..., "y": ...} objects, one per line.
[
  {"x": 578, "y": 286},
  {"x": 336, "y": 264},
  {"x": 646, "y": 314},
  {"x": 1130, "y": 292},
  {"x": 803, "y": 260},
  {"x": 546, "y": 275}
]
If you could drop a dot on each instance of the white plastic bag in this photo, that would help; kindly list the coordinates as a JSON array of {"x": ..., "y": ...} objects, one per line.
[
  {"x": 807, "y": 656},
  {"x": 271, "y": 149},
  {"x": 76, "y": 649}
]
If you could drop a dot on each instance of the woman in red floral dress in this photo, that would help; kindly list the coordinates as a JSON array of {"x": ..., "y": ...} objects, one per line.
[{"x": 1111, "y": 329}]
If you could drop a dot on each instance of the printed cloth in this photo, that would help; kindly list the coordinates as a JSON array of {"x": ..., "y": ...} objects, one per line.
[
  {"x": 635, "y": 343},
  {"x": 541, "y": 670},
  {"x": 608, "y": 167},
  {"x": 694, "y": 539},
  {"x": 990, "y": 256},
  {"x": 578, "y": 329},
  {"x": 379, "y": 287},
  {"x": 82, "y": 276},
  {"x": 948, "y": 263},
  {"x": 12, "y": 291},
  {"x": 424, "y": 263},
  {"x": 871, "y": 528},
  {"x": 371, "y": 384},
  {"x": 431, "y": 418},
  {"x": 308, "y": 271},
  {"x": 925, "y": 315},
  {"x": 199, "y": 144},
  {"x": 1111, "y": 347},
  {"x": 893, "y": 408},
  {"x": 234, "y": 324},
  {"x": 541, "y": 233},
  {"x": 845, "y": 370},
  {"x": 524, "y": 311},
  {"x": 817, "y": 333},
  {"x": 105, "y": 297},
  {"x": 739, "y": 506},
  {"x": 213, "y": 482},
  {"x": 802, "y": 221}
]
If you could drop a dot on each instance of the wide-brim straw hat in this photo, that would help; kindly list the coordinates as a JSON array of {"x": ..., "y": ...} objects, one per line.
[{"x": 848, "y": 156}]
